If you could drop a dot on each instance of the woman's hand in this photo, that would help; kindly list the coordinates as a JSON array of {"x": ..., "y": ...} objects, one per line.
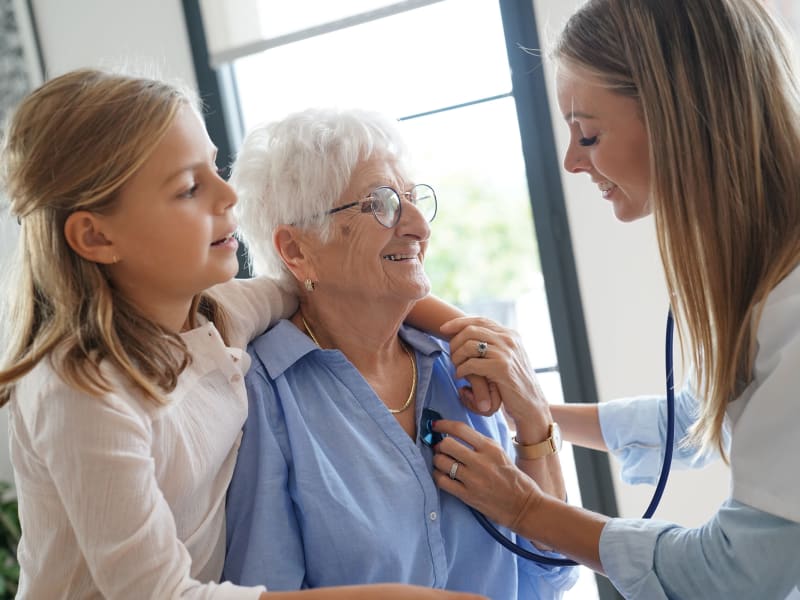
[
  {"x": 505, "y": 365},
  {"x": 485, "y": 477}
]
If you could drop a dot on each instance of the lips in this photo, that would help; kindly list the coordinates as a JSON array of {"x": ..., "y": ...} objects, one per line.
[
  {"x": 398, "y": 257},
  {"x": 223, "y": 240}
]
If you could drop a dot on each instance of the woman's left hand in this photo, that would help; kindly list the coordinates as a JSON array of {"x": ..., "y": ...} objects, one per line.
[{"x": 480, "y": 346}]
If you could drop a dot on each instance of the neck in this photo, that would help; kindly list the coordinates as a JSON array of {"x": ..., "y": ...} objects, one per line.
[{"x": 366, "y": 337}]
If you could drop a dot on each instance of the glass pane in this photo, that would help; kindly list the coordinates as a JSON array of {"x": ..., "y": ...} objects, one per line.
[{"x": 444, "y": 54}]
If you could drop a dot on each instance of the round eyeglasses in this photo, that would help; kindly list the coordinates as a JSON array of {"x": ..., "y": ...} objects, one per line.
[{"x": 385, "y": 205}]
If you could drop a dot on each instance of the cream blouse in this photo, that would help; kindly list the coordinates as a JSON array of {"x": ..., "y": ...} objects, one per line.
[{"x": 123, "y": 498}]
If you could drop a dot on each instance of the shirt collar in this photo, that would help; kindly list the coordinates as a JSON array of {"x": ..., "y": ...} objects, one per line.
[{"x": 284, "y": 344}]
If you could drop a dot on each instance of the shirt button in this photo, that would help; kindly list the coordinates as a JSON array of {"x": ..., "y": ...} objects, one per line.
[
  {"x": 433, "y": 516},
  {"x": 235, "y": 359}
]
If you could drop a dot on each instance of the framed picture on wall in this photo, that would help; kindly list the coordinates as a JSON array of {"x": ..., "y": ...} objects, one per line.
[
  {"x": 21, "y": 70},
  {"x": 20, "y": 62}
]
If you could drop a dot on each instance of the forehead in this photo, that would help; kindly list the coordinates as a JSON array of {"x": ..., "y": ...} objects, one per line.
[
  {"x": 582, "y": 94},
  {"x": 378, "y": 169}
]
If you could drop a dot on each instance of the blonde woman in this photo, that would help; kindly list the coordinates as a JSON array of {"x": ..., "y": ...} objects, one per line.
[{"x": 686, "y": 110}]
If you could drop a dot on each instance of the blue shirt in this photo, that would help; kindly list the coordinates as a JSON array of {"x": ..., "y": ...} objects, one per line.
[
  {"x": 330, "y": 490},
  {"x": 742, "y": 552}
]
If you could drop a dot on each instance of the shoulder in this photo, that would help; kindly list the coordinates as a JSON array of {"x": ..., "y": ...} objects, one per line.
[
  {"x": 278, "y": 349},
  {"x": 780, "y": 318},
  {"x": 253, "y": 304}
]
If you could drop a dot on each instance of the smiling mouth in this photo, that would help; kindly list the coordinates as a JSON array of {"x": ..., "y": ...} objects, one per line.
[
  {"x": 227, "y": 238},
  {"x": 399, "y": 257},
  {"x": 606, "y": 186}
]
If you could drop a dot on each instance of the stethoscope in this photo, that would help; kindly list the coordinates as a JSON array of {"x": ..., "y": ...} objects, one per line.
[{"x": 431, "y": 438}]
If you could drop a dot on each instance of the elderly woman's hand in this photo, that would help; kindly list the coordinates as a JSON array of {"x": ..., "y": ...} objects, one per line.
[{"x": 480, "y": 346}]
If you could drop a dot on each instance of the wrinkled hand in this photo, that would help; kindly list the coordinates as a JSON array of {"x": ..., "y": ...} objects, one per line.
[
  {"x": 507, "y": 369},
  {"x": 485, "y": 478}
]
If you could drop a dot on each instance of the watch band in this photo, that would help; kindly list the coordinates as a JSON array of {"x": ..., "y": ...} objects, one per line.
[{"x": 533, "y": 451}]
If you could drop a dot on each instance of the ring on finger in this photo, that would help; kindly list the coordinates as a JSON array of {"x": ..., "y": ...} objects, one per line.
[
  {"x": 454, "y": 469},
  {"x": 482, "y": 348}
]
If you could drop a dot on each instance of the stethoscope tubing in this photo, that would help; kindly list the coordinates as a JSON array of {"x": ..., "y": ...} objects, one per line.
[{"x": 660, "y": 485}]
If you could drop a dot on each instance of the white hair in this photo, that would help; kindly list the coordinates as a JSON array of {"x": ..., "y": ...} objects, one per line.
[{"x": 291, "y": 171}]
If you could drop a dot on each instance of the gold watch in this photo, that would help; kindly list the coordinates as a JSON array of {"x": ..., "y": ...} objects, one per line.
[{"x": 550, "y": 446}]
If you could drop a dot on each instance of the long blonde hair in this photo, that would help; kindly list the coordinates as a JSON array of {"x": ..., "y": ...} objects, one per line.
[
  {"x": 71, "y": 145},
  {"x": 720, "y": 103}
]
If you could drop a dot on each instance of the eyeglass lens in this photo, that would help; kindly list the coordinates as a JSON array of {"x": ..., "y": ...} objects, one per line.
[{"x": 386, "y": 202}]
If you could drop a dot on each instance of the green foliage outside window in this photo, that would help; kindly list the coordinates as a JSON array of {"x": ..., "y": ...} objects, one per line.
[
  {"x": 9, "y": 538},
  {"x": 482, "y": 244}
]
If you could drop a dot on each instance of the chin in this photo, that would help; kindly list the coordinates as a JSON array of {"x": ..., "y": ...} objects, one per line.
[{"x": 628, "y": 211}]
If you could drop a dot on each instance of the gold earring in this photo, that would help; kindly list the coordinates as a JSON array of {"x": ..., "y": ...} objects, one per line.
[
  {"x": 114, "y": 259},
  {"x": 310, "y": 285}
]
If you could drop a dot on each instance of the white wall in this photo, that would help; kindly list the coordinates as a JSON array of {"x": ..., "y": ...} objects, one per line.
[
  {"x": 618, "y": 268},
  {"x": 625, "y": 305}
]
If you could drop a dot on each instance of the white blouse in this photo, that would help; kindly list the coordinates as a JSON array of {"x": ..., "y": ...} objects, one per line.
[{"x": 123, "y": 498}]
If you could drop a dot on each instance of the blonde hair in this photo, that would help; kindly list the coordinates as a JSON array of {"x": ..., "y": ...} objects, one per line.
[
  {"x": 719, "y": 100},
  {"x": 71, "y": 145}
]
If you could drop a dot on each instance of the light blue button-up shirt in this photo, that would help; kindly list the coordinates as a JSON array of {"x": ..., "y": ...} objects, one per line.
[
  {"x": 330, "y": 490},
  {"x": 742, "y": 552}
]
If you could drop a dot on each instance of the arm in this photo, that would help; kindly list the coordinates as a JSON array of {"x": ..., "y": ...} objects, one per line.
[
  {"x": 106, "y": 493},
  {"x": 491, "y": 483},
  {"x": 741, "y": 552},
  {"x": 429, "y": 314},
  {"x": 580, "y": 424},
  {"x": 635, "y": 430}
]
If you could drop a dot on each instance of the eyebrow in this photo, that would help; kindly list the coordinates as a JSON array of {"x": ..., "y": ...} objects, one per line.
[
  {"x": 572, "y": 115},
  {"x": 191, "y": 167}
]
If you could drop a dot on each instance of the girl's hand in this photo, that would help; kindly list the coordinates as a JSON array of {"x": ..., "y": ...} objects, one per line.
[
  {"x": 485, "y": 477},
  {"x": 506, "y": 367}
]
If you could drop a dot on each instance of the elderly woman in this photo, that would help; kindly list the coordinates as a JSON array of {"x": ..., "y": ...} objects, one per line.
[{"x": 333, "y": 484}]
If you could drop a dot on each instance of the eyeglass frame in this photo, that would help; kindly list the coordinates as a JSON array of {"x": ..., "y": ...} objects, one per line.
[{"x": 367, "y": 204}]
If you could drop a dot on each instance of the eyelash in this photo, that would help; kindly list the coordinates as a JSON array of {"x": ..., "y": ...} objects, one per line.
[{"x": 588, "y": 141}]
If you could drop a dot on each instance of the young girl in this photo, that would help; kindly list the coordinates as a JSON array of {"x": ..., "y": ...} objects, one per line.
[{"x": 123, "y": 365}]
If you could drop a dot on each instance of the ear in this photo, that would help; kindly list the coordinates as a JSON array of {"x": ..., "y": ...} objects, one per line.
[
  {"x": 292, "y": 246},
  {"x": 83, "y": 231}
]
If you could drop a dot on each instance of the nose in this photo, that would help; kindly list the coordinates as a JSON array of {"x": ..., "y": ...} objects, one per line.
[
  {"x": 575, "y": 159},
  {"x": 226, "y": 197},
  {"x": 412, "y": 223}
]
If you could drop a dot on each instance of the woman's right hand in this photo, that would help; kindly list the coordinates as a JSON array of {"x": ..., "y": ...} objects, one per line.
[{"x": 485, "y": 478}]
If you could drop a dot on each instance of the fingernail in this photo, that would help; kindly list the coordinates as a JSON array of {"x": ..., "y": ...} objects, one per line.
[
  {"x": 433, "y": 424},
  {"x": 484, "y": 405}
]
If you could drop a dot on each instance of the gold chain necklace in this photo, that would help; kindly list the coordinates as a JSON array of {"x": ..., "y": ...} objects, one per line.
[{"x": 405, "y": 348}]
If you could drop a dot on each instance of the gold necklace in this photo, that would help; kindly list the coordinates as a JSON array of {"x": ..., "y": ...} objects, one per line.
[{"x": 405, "y": 348}]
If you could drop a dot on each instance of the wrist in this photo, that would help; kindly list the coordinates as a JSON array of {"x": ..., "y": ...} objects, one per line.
[{"x": 549, "y": 443}]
